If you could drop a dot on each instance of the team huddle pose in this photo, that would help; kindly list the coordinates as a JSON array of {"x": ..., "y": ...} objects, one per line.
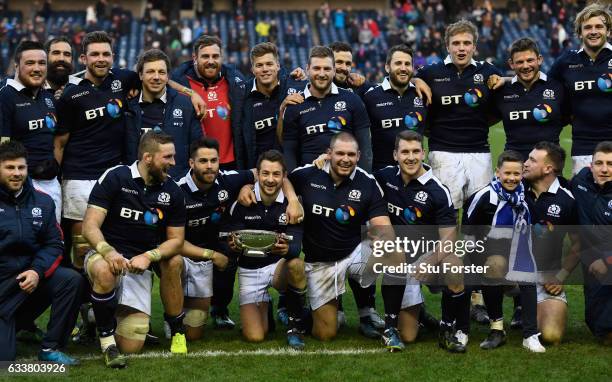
[{"x": 160, "y": 171}]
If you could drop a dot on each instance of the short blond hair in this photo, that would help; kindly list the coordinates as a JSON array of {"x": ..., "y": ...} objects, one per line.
[
  {"x": 461, "y": 26},
  {"x": 590, "y": 11}
]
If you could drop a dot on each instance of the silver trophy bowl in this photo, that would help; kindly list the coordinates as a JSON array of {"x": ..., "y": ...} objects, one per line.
[{"x": 255, "y": 242}]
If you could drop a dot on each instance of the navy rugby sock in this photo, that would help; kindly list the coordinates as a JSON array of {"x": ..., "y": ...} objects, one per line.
[{"x": 105, "y": 306}]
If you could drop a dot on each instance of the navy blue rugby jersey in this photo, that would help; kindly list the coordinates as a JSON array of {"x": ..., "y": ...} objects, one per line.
[
  {"x": 137, "y": 215},
  {"x": 334, "y": 215},
  {"x": 94, "y": 118},
  {"x": 461, "y": 107},
  {"x": 423, "y": 201},
  {"x": 588, "y": 87},
  {"x": 206, "y": 209},
  {"x": 30, "y": 119},
  {"x": 389, "y": 114},
  {"x": 531, "y": 115},
  {"x": 550, "y": 212},
  {"x": 309, "y": 126}
]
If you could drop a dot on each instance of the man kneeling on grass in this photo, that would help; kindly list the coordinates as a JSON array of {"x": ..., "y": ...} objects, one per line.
[
  {"x": 282, "y": 267},
  {"x": 136, "y": 217}
]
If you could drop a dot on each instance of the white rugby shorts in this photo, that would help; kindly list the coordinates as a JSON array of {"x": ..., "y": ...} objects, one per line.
[
  {"x": 254, "y": 283},
  {"x": 462, "y": 173},
  {"x": 75, "y": 197},
  {"x": 52, "y": 188},
  {"x": 133, "y": 290},
  {"x": 326, "y": 279},
  {"x": 197, "y": 278}
]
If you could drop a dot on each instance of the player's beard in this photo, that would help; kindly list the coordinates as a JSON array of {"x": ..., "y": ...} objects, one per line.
[
  {"x": 532, "y": 175},
  {"x": 158, "y": 174},
  {"x": 315, "y": 82},
  {"x": 203, "y": 68},
  {"x": 205, "y": 177},
  {"x": 342, "y": 82},
  {"x": 58, "y": 72},
  {"x": 13, "y": 183},
  {"x": 99, "y": 72},
  {"x": 343, "y": 169},
  {"x": 394, "y": 78}
]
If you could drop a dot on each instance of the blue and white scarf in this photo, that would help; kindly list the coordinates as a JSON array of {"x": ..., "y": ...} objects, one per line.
[{"x": 512, "y": 221}]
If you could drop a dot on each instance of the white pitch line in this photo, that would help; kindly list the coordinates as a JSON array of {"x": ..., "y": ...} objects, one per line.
[{"x": 239, "y": 353}]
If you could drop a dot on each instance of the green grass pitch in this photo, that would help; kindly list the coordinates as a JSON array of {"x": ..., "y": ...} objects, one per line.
[{"x": 224, "y": 356}]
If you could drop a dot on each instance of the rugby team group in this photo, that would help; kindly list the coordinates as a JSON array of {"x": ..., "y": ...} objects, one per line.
[{"x": 110, "y": 176}]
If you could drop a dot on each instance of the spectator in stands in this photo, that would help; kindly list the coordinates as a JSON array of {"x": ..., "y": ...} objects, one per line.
[
  {"x": 339, "y": 19},
  {"x": 273, "y": 32},
  {"x": 90, "y": 15},
  {"x": 524, "y": 19},
  {"x": 353, "y": 32},
  {"x": 304, "y": 37},
  {"x": 263, "y": 29},
  {"x": 350, "y": 15},
  {"x": 409, "y": 37},
  {"x": 287, "y": 62},
  {"x": 198, "y": 30},
  {"x": 101, "y": 8},
  {"x": 487, "y": 24},
  {"x": 562, "y": 34},
  {"x": 290, "y": 37},
  {"x": 233, "y": 43},
  {"x": 433, "y": 58},
  {"x": 323, "y": 14},
  {"x": 365, "y": 33},
  {"x": 428, "y": 16},
  {"x": 244, "y": 40},
  {"x": 419, "y": 60},
  {"x": 373, "y": 25},
  {"x": 440, "y": 15},
  {"x": 46, "y": 10},
  {"x": 513, "y": 8},
  {"x": 146, "y": 15},
  {"x": 186, "y": 35},
  {"x": 116, "y": 10}
]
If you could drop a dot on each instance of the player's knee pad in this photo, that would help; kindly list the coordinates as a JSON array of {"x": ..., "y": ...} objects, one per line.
[
  {"x": 133, "y": 327},
  {"x": 552, "y": 335},
  {"x": 497, "y": 267},
  {"x": 195, "y": 318}
]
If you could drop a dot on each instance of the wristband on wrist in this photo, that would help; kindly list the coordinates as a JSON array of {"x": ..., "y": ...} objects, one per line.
[
  {"x": 103, "y": 248},
  {"x": 208, "y": 254},
  {"x": 188, "y": 91},
  {"x": 154, "y": 255},
  {"x": 562, "y": 275}
]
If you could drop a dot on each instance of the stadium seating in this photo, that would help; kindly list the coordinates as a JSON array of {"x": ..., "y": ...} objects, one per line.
[{"x": 128, "y": 46}]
